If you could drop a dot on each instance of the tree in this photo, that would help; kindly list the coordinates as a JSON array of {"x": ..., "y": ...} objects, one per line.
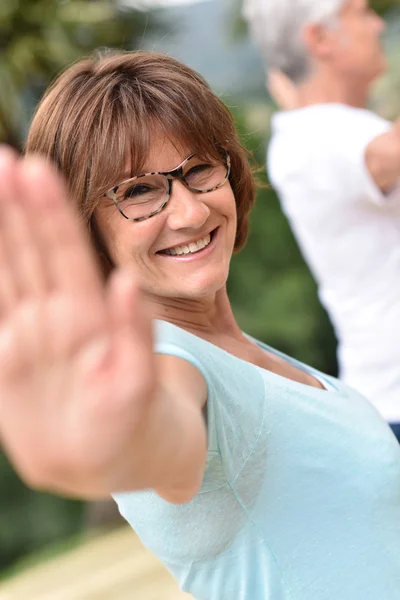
[
  {"x": 38, "y": 39},
  {"x": 383, "y": 6}
]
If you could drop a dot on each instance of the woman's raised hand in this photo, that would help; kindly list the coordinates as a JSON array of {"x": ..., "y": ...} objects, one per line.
[
  {"x": 282, "y": 90},
  {"x": 76, "y": 363}
]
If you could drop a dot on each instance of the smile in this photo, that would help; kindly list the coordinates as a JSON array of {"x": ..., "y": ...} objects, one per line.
[{"x": 190, "y": 248}]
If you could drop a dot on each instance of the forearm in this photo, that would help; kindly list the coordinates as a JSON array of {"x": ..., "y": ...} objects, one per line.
[
  {"x": 165, "y": 452},
  {"x": 172, "y": 447},
  {"x": 385, "y": 178},
  {"x": 382, "y": 158}
]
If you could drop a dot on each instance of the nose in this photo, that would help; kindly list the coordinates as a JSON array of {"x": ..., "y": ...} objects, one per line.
[{"x": 186, "y": 209}]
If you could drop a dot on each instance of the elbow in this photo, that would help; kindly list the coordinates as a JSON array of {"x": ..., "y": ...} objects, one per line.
[
  {"x": 182, "y": 494},
  {"x": 179, "y": 496}
]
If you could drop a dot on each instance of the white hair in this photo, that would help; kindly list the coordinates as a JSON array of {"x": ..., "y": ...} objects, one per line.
[{"x": 277, "y": 26}]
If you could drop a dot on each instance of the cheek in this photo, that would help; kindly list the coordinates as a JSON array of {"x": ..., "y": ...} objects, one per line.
[
  {"x": 131, "y": 243},
  {"x": 109, "y": 234},
  {"x": 231, "y": 202}
]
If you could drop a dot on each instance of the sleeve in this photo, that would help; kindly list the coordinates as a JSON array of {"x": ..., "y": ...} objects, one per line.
[
  {"x": 327, "y": 157},
  {"x": 232, "y": 428},
  {"x": 176, "y": 532},
  {"x": 172, "y": 341},
  {"x": 348, "y": 152}
]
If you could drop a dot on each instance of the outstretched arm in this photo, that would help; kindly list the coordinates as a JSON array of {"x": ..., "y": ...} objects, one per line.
[
  {"x": 382, "y": 157},
  {"x": 382, "y": 154},
  {"x": 86, "y": 408}
]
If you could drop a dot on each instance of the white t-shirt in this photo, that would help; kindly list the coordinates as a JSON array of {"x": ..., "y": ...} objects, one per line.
[{"x": 349, "y": 233}]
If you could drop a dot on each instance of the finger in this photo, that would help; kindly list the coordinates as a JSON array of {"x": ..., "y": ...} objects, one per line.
[
  {"x": 132, "y": 325},
  {"x": 18, "y": 261},
  {"x": 65, "y": 252}
]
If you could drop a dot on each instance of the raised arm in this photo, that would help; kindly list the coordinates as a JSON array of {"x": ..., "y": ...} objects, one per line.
[
  {"x": 382, "y": 154},
  {"x": 383, "y": 158},
  {"x": 282, "y": 90},
  {"x": 86, "y": 408}
]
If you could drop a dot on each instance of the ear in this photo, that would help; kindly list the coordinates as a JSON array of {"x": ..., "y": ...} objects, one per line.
[{"x": 318, "y": 41}]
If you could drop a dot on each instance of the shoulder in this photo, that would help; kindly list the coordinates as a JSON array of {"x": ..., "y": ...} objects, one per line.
[
  {"x": 176, "y": 346},
  {"x": 326, "y": 122},
  {"x": 321, "y": 141},
  {"x": 179, "y": 364},
  {"x": 226, "y": 376},
  {"x": 230, "y": 383}
]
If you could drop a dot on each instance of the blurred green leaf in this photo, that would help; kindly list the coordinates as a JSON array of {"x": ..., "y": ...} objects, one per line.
[
  {"x": 273, "y": 294},
  {"x": 38, "y": 39}
]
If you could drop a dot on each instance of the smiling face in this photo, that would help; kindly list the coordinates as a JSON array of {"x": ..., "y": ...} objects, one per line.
[
  {"x": 184, "y": 251},
  {"x": 121, "y": 116}
]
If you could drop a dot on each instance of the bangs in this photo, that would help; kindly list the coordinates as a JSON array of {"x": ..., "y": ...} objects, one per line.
[{"x": 134, "y": 113}]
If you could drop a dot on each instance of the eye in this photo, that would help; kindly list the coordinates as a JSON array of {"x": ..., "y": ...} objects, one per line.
[
  {"x": 137, "y": 191},
  {"x": 198, "y": 169}
]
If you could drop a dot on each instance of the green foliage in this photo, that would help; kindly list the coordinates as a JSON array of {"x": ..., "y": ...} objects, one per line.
[
  {"x": 383, "y": 6},
  {"x": 38, "y": 39},
  {"x": 29, "y": 520},
  {"x": 273, "y": 294}
]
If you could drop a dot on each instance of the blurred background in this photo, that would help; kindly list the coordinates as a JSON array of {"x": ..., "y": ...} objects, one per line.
[{"x": 273, "y": 294}]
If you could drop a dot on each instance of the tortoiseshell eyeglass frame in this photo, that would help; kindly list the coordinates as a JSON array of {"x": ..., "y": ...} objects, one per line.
[{"x": 176, "y": 173}]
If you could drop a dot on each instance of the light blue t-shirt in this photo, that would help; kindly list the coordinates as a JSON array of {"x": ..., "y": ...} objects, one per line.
[{"x": 301, "y": 491}]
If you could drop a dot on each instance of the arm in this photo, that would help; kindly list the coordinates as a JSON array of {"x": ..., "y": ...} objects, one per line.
[
  {"x": 382, "y": 154},
  {"x": 86, "y": 408},
  {"x": 382, "y": 158},
  {"x": 282, "y": 90},
  {"x": 176, "y": 439}
]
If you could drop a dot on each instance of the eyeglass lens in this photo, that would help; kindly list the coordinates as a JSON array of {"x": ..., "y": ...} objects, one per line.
[{"x": 141, "y": 196}]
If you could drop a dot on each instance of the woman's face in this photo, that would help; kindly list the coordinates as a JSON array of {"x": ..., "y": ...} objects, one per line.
[{"x": 153, "y": 246}]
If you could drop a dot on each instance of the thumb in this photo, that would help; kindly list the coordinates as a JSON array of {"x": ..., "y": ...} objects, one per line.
[
  {"x": 123, "y": 298},
  {"x": 130, "y": 319}
]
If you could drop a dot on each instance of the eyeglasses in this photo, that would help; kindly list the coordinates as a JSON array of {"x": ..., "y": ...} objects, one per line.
[{"x": 144, "y": 196}]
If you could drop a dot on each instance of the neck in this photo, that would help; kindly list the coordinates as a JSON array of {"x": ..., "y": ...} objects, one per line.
[
  {"x": 322, "y": 89},
  {"x": 207, "y": 317}
]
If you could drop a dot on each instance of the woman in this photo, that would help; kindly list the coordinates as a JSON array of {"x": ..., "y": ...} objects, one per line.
[{"x": 250, "y": 475}]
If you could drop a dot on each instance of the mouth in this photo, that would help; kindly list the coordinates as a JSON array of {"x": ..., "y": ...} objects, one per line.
[{"x": 194, "y": 248}]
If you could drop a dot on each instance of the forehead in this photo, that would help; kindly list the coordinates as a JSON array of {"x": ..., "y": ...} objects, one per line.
[{"x": 165, "y": 153}]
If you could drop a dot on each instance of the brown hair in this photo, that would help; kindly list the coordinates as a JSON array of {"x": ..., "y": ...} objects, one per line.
[{"x": 103, "y": 108}]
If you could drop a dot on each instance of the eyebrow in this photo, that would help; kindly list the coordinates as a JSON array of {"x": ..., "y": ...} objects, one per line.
[{"x": 130, "y": 176}]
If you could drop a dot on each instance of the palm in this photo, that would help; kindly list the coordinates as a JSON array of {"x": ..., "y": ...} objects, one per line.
[{"x": 76, "y": 356}]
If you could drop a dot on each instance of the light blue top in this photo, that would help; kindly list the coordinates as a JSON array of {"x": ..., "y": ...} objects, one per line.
[{"x": 301, "y": 492}]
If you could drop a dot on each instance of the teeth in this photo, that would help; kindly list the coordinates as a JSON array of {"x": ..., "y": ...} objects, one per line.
[{"x": 192, "y": 248}]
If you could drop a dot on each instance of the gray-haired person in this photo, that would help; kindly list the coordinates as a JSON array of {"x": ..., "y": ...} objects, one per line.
[{"x": 336, "y": 167}]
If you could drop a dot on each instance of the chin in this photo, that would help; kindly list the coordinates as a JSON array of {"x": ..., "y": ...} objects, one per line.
[{"x": 198, "y": 289}]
